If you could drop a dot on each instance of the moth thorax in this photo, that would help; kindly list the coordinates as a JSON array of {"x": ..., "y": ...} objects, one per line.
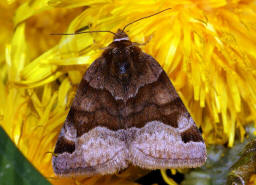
[
  {"x": 123, "y": 71},
  {"x": 121, "y": 66}
]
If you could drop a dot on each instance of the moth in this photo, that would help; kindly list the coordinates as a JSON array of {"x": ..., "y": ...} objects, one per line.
[{"x": 126, "y": 112}]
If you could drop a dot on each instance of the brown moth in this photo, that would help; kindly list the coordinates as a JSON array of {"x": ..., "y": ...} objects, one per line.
[{"x": 126, "y": 112}]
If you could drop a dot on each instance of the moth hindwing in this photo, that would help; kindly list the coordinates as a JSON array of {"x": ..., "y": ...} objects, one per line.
[{"x": 126, "y": 111}]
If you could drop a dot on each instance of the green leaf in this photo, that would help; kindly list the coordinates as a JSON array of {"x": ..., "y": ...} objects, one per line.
[{"x": 15, "y": 169}]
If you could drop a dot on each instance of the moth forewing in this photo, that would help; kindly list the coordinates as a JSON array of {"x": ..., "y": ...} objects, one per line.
[{"x": 126, "y": 112}]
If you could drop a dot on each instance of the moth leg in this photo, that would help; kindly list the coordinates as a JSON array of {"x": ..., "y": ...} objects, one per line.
[
  {"x": 83, "y": 28},
  {"x": 142, "y": 44}
]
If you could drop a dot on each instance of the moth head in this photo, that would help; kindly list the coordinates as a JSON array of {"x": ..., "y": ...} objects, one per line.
[{"x": 120, "y": 35}]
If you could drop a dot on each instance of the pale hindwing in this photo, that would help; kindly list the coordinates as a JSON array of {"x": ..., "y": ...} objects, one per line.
[
  {"x": 161, "y": 146},
  {"x": 100, "y": 151}
]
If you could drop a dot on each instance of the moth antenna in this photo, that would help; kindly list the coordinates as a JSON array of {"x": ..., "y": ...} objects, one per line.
[
  {"x": 76, "y": 33},
  {"x": 145, "y": 18}
]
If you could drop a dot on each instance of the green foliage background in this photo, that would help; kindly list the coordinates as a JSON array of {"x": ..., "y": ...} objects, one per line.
[{"x": 15, "y": 169}]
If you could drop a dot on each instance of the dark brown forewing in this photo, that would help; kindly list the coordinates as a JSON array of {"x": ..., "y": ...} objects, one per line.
[
  {"x": 85, "y": 146},
  {"x": 168, "y": 136}
]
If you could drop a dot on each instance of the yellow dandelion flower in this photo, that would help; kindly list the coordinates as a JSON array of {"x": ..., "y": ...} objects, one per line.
[
  {"x": 252, "y": 180},
  {"x": 208, "y": 49},
  {"x": 7, "y": 11}
]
